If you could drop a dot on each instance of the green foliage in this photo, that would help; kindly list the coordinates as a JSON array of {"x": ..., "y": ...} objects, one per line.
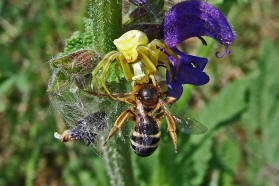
[
  {"x": 80, "y": 40},
  {"x": 228, "y": 155},
  {"x": 261, "y": 119}
]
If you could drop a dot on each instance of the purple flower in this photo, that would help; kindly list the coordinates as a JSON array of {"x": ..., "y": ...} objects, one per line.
[{"x": 192, "y": 19}]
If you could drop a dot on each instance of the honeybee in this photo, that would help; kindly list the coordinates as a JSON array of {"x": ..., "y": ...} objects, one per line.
[{"x": 148, "y": 108}]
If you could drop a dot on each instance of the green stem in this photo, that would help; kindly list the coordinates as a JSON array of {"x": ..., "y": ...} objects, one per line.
[
  {"x": 117, "y": 153},
  {"x": 107, "y": 25},
  {"x": 107, "y": 21}
]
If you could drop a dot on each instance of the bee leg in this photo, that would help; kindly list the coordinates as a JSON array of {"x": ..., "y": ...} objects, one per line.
[
  {"x": 118, "y": 123},
  {"x": 158, "y": 118},
  {"x": 171, "y": 129},
  {"x": 169, "y": 100}
]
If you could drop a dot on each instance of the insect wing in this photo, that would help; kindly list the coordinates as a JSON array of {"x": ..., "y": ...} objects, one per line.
[
  {"x": 186, "y": 124},
  {"x": 190, "y": 126}
]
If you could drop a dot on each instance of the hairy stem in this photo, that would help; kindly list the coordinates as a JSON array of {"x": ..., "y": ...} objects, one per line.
[
  {"x": 107, "y": 21},
  {"x": 107, "y": 25}
]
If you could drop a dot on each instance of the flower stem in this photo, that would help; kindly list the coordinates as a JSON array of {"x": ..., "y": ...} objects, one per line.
[
  {"x": 107, "y": 25},
  {"x": 107, "y": 21}
]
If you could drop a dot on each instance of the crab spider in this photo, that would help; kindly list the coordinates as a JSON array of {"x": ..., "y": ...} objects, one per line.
[{"x": 137, "y": 57}]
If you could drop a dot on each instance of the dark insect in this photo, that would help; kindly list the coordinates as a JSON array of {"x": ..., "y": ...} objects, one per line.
[{"x": 86, "y": 129}]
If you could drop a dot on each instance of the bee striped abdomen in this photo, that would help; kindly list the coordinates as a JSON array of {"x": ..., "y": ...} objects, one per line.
[{"x": 145, "y": 137}]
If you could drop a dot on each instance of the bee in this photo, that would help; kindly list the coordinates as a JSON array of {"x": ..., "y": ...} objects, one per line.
[
  {"x": 138, "y": 58},
  {"x": 148, "y": 108}
]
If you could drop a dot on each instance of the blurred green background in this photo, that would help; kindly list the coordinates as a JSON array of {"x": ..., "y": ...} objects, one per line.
[{"x": 239, "y": 104}]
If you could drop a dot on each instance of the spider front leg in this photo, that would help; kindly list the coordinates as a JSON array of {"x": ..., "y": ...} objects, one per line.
[
  {"x": 109, "y": 62},
  {"x": 164, "y": 59},
  {"x": 125, "y": 67},
  {"x": 99, "y": 66},
  {"x": 150, "y": 65},
  {"x": 153, "y": 44},
  {"x": 146, "y": 51}
]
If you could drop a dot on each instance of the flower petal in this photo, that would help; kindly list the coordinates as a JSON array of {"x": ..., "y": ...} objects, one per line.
[
  {"x": 198, "y": 62},
  {"x": 192, "y": 19},
  {"x": 187, "y": 73},
  {"x": 175, "y": 89},
  {"x": 190, "y": 75}
]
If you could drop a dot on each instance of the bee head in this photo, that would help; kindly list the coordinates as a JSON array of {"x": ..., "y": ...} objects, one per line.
[{"x": 148, "y": 94}]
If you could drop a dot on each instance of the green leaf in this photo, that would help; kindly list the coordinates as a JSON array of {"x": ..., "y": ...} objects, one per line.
[
  {"x": 228, "y": 154},
  {"x": 6, "y": 86},
  {"x": 227, "y": 104},
  {"x": 22, "y": 83},
  {"x": 80, "y": 40},
  {"x": 261, "y": 119}
]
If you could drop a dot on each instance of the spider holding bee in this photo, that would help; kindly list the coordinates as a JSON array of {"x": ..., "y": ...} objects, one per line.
[
  {"x": 138, "y": 58},
  {"x": 148, "y": 107}
]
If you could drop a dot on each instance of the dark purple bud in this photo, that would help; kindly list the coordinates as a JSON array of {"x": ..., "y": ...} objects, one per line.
[{"x": 195, "y": 19}]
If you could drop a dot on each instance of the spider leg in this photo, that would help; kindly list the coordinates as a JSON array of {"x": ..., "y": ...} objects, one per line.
[
  {"x": 151, "y": 76},
  {"x": 99, "y": 66},
  {"x": 147, "y": 62},
  {"x": 118, "y": 123},
  {"x": 167, "y": 63},
  {"x": 125, "y": 67},
  {"x": 124, "y": 97},
  {"x": 116, "y": 70},
  {"x": 109, "y": 62},
  {"x": 151, "y": 53},
  {"x": 162, "y": 45}
]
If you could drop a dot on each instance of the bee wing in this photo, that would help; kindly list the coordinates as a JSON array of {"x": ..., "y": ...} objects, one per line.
[{"x": 187, "y": 124}]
